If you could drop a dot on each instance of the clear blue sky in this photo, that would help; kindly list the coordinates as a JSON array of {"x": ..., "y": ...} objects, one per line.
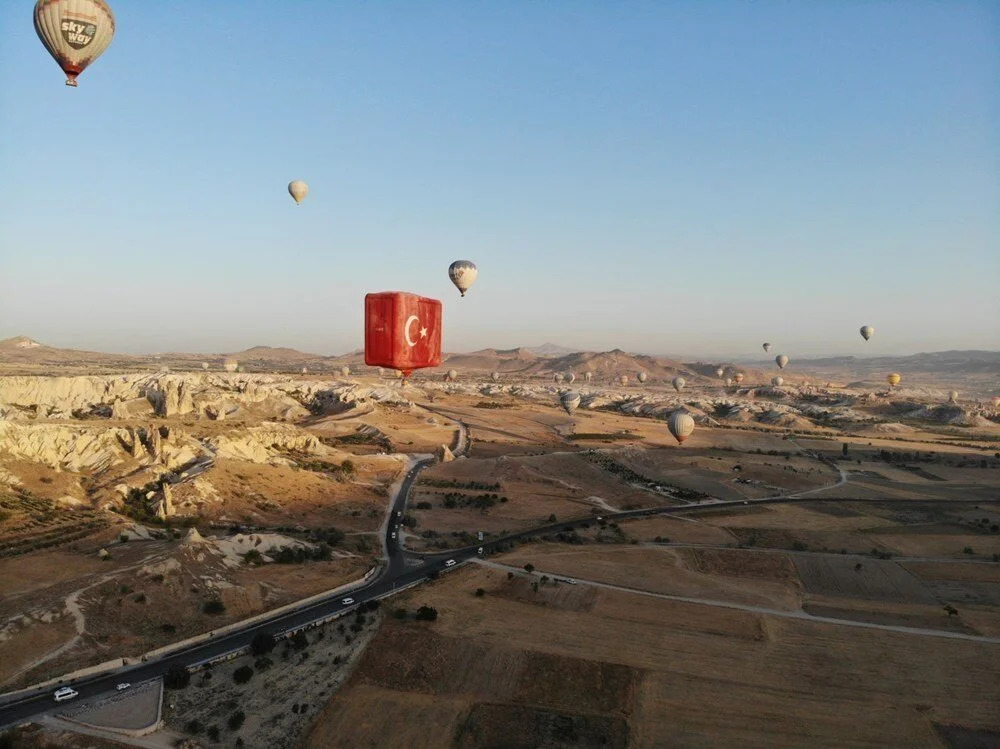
[{"x": 670, "y": 177}]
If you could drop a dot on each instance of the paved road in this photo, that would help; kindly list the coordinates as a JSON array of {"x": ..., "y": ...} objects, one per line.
[{"x": 403, "y": 568}]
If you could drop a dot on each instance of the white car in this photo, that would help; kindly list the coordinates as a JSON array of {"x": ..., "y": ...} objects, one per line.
[
  {"x": 123, "y": 686},
  {"x": 399, "y": 513},
  {"x": 394, "y": 534},
  {"x": 65, "y": 693},
  {"x": 450, "y": 563},
  {"x": 479, "y": 550},
  {"x": 347, "y": 601}
]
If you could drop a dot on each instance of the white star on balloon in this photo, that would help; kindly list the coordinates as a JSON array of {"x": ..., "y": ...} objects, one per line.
[{"x": 423, "y": 332}]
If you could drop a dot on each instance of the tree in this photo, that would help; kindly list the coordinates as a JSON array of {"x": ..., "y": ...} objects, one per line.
[
  {"x": 399, "y": 613},
  {"x": 529, "y": 568},
  {"x": 236, "y": 720},
  {"x": 857, "y": 567},
  {"x": 262, "y": 643},
  {"x": 844, "y": 450},
  {"x": 243, "y": 674},
  {"x": 213, "y": 733},
  {"x": 300, "y": 641},
  {"x": 480, "y": 592},
  {"x": 253, "y": 558},
  {"x": 952, "y": 611},
  {"x": 426, "y": 614},
  {"x": 194, "y": 727},
  {"x": 177, "y": 677},
  {"x": 552, "y": 518}
]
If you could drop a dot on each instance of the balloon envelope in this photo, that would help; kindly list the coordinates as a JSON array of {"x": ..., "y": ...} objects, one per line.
[
  {"x": 777, "y": 381},
  {"x": 570, "y": 378},
  {"x": 678, "y": 383},
  {"x": 642, "y": 377},
  {"x": 719, "y": 372},
  {"x": 495, "y": 376},
  {"x": 345, "y": 371},
  {"x": 588, "y": 376},
  {"x": 298, "y": 190},
  {"x": 452, "y": 375},
  {"x": 681, "y": 425},
  {"x": 738, "y": 377},
  {"x": 463, "y": 274},
  {"x": 767, "y": 347},
  {"x": 953, "y": 396},
  {"x": 623, "y": 380},
  {"x": 894, "y": 379},
  {"x": 781, "y": 361},
  {"x": 867, "y": 331},
  {"x": 570, "y": 400},
  {"x": 230, "y": 365},
  {"x": 75, "y": 32}
]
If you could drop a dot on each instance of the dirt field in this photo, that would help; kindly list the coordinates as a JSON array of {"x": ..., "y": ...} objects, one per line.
[{"x": 703, "y": 676}]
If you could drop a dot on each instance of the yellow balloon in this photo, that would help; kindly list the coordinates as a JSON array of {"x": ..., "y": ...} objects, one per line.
[{"x": 893, "y": 379}]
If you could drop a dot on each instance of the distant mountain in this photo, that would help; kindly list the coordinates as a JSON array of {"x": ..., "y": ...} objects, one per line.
[
  {"x": 551, "y": 349},
  {"x": 272, "y": 354},
  {"x": 936, "y": 362}
]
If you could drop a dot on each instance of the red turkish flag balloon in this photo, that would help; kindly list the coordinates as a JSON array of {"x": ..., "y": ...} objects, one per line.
[{"x": 402, "y": 331}]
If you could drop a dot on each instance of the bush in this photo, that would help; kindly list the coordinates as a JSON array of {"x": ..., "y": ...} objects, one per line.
[
  {"x": 213, "y": 733},
  {"x": 426, "y": 614},
  {"x": 262, "y": 664},
  {"x": 480, "y": 592},
  {"x": 968, "y": 550},
  {"x": 253, "y": 558},
  {"x": 177, "y": 677},
  {"x": 399, "y": 613},
  {"x": 529, "y": 568},
  {"x": 168, "y": 628},
  {"x": 262, "y": 643},
  {"x": 236, "y": 720},
  {"x": 194, "y": 727},
  {"x": 214, "y": 606},
  {"x": 140, "y": 598},
  {"x": 243, "y": 674},
  {"x": 300, "y": 641}
]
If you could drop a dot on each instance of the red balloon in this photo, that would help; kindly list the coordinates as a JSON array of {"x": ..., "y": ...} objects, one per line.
[{"x": 402, "y": 331}]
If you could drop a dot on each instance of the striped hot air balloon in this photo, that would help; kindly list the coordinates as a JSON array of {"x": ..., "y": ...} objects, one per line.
[{"x": 75, "y": 32}]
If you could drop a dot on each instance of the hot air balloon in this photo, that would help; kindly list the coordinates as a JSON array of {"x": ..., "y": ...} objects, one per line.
[
  {"x": 570, "y": 400},
  {"x": 345, "y": 371},
  {"x": 767, "y": 347},
  {"x": 777, "y": 381},
  {"x": 893, "y": 379},
  {"x": 305, "y": 370},
  {"x": 642, "y": 377},
  {"x": 738, "y": 377},
  {"x": 452, "y": 375},
  {"x": 557, "y": 378},
  {"x": 495, "y": 376},
  {"x": 678, "y": 383},
  {"x": 204, "y": 365},
  {"x": 781, "y": 361},
  {"x": 729, "y": 382},
  {"x": 298, "y": 190},
  {"x": 681, "y": 425},
  {"x": 570, "y": 378},
  {"x": 623, "y": 380},
  {"x": 953, "y": 396},
  {"x": 719, "y": 372},
  {"x": 995, "y": 400},
  {"x": 75, "y": 32},
  {"x": 463, "y": 274},
  {"x": 588, "y": 376},
  {"x": 867, "y": 331},
  {"x": 230, "y": 365}
]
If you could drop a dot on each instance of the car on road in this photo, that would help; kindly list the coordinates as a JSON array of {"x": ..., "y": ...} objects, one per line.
[
  {"x": 479, "y": 550},
  {"x": 347, "y": 601},
  {"x": 65, "y": 693},
  {"x": 569, "y": 580},
  {"x": 394, "y": 534},
  {"x": 399, "y": 513},
  {"x": 450, "y": 563},
  {"x": 123, "y": 686}
]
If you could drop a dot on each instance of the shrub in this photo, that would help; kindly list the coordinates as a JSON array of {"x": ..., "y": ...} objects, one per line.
[
  {"x": 480, "y": 592},
  {"x": 300, "y": 641},
  {"x": 968, "y": 550},
  {"x": 426, "y": 614},
  {"x": 253, "y": 558},
  {"x": 214, "y": 606},
  {"x": 213, "y": 733},
  {"x": 243, "y": 674},
  {"x": 236, "y": 720},
  {"x": 399, "y": 613},
  {"x": 194, "y": 727},
  {"x": 529, "y": 568},
  {"x": 262, "y": 664},
  {"x": 168, "y": 628}
]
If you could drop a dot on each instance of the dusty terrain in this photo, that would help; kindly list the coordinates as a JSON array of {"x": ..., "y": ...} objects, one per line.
[{"x": 142, "y": 507}]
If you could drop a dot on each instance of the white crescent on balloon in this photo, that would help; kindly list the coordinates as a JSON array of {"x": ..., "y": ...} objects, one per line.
[{"x": 406, "y": 330}]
